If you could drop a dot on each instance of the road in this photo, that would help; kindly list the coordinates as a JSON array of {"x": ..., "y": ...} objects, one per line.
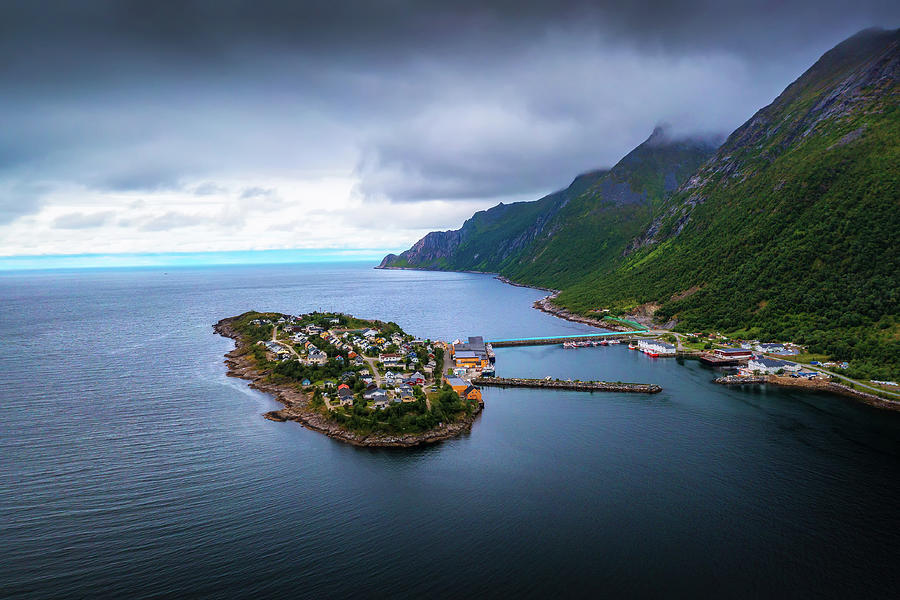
[
  {"x": 290, "y": 347},
  {"x": 375, "y": 374},
  {"x": 854, "y": 381}
]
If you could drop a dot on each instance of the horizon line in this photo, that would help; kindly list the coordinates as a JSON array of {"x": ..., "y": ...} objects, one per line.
[{"x": 35, "y": 262}]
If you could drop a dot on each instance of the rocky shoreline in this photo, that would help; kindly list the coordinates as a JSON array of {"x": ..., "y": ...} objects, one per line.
[
  {"x": 546, "y": 305},
  {"x": 296, "y": 405},
  {"x": 381, "y": 268},
  {"x": 811, "y": 384}
]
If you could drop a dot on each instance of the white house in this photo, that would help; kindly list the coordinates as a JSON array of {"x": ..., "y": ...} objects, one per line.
[
  {"x": 656, "y": 348},
  {"x": 770, "y": 366}
]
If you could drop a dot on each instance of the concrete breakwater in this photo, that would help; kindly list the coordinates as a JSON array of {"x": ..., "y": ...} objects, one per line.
[{"x": 580, "y": 386}]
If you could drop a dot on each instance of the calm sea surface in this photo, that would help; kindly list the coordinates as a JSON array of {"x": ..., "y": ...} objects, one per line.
[{"x": 130, "y": 466}]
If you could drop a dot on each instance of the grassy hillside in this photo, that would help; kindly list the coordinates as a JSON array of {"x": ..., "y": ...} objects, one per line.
[
  {"x": 592, "y": 231},
  {"x": 787, "y": 232},
  {"x": 553, "y": 241},
  {"x": 790, "y": 231}
]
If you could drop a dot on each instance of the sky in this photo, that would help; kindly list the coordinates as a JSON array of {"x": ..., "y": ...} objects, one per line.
[{"x": 231, "y": 126}]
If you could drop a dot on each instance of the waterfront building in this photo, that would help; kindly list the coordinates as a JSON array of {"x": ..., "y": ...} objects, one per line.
[
  {"x": 770, "y": 366},
  {"x": 656, "y": 348},
  {"x": 471, "y": 354},
  {"x": 733, "y": 353},
  {"x": 471, "y": 393}
]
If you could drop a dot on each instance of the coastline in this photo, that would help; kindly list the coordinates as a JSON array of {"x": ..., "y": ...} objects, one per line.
[
  {"x": 380, "y": 268},
  {"x": 296, "y": 405},
  {"x": 812, "y": 385},
  {"x": 546, "y": 305}
]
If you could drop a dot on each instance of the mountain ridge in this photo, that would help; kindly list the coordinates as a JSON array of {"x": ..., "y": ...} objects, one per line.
[
  {"x": 495, "y": 239},
  {"x": 787, "y": 231}
]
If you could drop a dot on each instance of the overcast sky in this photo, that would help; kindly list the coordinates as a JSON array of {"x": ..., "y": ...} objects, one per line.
[{"x": 230, "y": 125}]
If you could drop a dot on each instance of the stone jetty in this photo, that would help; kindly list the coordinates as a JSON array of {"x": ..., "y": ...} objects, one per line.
[{"x": 579, "y": 386}]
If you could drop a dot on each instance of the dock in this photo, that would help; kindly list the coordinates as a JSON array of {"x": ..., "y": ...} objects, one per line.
[
  {"x": 579, "y": 386},
  {"x": 549, "y": 340}
]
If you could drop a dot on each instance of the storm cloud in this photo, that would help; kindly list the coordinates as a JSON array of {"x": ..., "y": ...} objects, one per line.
[{"x": 463, "y": 103}]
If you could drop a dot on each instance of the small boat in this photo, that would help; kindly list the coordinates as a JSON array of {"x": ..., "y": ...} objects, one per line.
[
  {"x": 568, "y": 345},
  {"x": 604, "y": 343}
]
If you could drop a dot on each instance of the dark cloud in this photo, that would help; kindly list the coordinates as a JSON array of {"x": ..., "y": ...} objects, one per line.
[
  {"x": 420, "y": 99},
  {"x": 18, "y": 199}
]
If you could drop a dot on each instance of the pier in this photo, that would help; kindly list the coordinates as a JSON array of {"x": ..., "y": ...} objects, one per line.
[
  {"x": 579, "y": 386},
  {"x": 586, "y": 337}
]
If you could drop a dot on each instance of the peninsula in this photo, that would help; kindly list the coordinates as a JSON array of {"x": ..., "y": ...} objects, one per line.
[{"x": 363, "y": 382}]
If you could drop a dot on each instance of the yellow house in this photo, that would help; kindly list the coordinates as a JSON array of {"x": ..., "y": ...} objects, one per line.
[
  {"x": 471, "y": 393},
  {"x": 459, "y": 386},
  {"x": 464, "y": 389}
]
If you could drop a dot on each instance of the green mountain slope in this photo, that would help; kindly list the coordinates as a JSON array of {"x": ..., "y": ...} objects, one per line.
[
  {"x": 491, "y": 237},
  {"x": 593, "y": 230},
  {"x": 790, "y": 230},
  {"x": 542, "y": 242},
  {"x": 787, "y": 232}
]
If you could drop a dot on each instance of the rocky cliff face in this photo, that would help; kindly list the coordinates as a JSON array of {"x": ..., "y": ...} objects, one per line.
[{"x": 431, "y": 249}]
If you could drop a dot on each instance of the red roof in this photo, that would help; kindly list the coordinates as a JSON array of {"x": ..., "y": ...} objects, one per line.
[{"x": 343, "y": 386}]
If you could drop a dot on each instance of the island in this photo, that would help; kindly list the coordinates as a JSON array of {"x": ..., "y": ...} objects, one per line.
[{"x": 363, "y": 382}]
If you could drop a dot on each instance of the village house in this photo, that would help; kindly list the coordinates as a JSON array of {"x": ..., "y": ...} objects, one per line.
[
  {"x": 344, "y": 391},
  {"x": 376, "y": 395},
  {"x": 459, "y": 386},
  {"x": 770, "y": 366},
  {"x": 390, "y": 360},
  {"x": 465, "y": 390},
  {"x": 471, "y": 393}
]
